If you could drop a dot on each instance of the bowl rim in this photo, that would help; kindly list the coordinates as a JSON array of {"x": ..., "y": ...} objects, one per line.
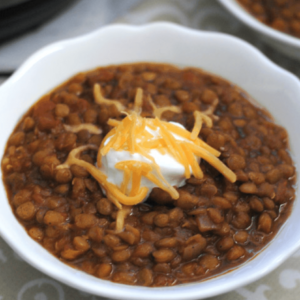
[
  {"x": 243, "y": 15},
  {"x": 109, "y": 289}
]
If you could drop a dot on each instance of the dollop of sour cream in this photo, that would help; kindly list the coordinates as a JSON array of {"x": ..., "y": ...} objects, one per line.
[{"x": 170, "y": 168}]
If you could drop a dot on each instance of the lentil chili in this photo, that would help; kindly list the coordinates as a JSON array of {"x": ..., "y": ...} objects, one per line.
[{"x": 215, "y": 225}]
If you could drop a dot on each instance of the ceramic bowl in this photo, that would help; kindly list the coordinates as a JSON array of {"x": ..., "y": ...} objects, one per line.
[
  {"x": 226, "y": 56},
  {"x": 283, "y": 42}
]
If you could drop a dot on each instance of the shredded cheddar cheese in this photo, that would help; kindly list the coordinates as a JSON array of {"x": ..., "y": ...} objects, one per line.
[
  {"x": 121, "y": 215},
  {"x": 138, "y": 135},
  {"x": 101, "y": 100},
  {"x": 93, "y": 129},
  {"x": 140, "y": 141},
  {"x": 200, "y": 117},
  {"x": 157, "y": 112},
  {"x": 113, "y": 122},
  {"x": 187, "y": 135},
  {"x": 138, "y": 101}
]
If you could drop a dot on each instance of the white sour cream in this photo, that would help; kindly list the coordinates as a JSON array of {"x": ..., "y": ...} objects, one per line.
[{"x": 171, "y": 169}]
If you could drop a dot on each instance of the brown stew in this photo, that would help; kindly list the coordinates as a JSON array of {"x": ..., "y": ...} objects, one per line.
[
  {"x": 282, "y": 15},
  {"x": 215, "y": 225}
]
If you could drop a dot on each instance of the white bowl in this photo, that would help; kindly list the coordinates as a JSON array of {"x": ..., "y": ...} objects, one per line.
[
  {"x": 283, "y": 42},
  {"x": 221, "y": 54}
]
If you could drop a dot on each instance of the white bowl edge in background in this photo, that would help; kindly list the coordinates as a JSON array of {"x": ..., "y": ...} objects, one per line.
[
  {"x": 283, "y": 42},
  {"x": 159, "y": 42}
]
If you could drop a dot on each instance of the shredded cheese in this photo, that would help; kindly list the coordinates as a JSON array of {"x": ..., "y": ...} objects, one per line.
[
  {"x": 138, "y": 101},
  {"x": 187, "y": 135},
  {"x": 174, "y": 147},
  {"x": 113, "y": 192},
  {"x": 157, "y": 112},
  {"x": 192, "y": 162},
  {"x": 216, "y": 163},
  {"x": 121, "y": 215},
  {"x": 93, "y": 129},
  {"x": 101, "y": 100},
  {"x": 136, "y": 135},
  {"x": 163, "y": 183},
  {"x": 212, "y": 108},
  {"x": 137, "y": 140},
  {"x": 137, "y": 169},
  {"x": 113, "y": 122},
  {"x": 200, "y": 117}
]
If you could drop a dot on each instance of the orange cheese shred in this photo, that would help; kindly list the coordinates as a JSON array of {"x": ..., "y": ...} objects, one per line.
[
  {"x": 172, "y": 191},
  {"x": 99, "y": 155},
  {"x": 113, "y": 122},
  {"x": 212, "y": 107},
  {"x": 135, "y": 169},
  {"x": 133, "y": 165},
  {"x": 200, "y": 118},
  {"x": 151, "y": 144},
  {"x": 126, "y": 179},
  {"x": 93, "y": 129},
  {"x": 138, "y": 100},
  {"x": 169, "y": 138},
  {"x": 157, "y": 112},
  {"x": 110, "y": 143},
  {"x": 136, "y": 181},
  {"x": 142, "y": 132},
  {"x": 131, "y": 139},
  {"x": 187, "y": 135},
  {"x": 123, "y": 131},
  {"x": 197, "y": 125},
  {"x": 121, "y": 215},
  {"x": 192, "y": 161},
  {"x": 126, "y": 200},
  {"x": 117, "y": 196},
  {"x": 174, "y": 147},
  {"x": 73, "y": 159},
  {"x": 99, "y": 99},
  {"x": 212, "y": 160},
  {"x": 166, "y": 187}
]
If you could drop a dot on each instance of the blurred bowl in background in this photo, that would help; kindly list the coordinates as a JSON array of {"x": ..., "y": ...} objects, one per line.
[{"x": 283, "y": 42}]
